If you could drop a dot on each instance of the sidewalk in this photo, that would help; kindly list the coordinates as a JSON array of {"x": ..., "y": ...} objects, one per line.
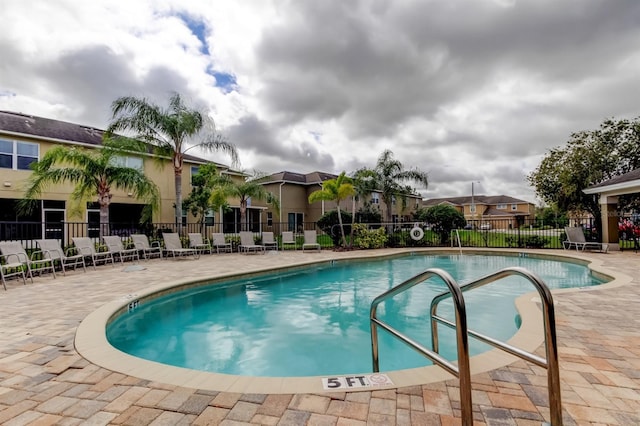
[{"x": 44, "y": 381}]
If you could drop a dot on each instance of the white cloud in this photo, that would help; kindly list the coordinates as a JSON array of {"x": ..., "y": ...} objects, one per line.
[{"x": 468, "y": 91}]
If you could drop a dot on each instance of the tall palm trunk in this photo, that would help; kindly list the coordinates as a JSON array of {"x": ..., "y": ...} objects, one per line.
[
  {"x": 178, "y": 212},
  {"x": 344, "y": 238}
]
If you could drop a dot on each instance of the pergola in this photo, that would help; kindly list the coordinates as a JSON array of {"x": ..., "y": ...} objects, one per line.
[{"x": 608, "y": 192}]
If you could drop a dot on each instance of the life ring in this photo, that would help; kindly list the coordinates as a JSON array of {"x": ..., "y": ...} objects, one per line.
[{"x": 416, "y": 233}]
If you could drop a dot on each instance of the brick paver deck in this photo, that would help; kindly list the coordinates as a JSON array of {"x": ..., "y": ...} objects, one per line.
[{"x": 44, "y": 381}]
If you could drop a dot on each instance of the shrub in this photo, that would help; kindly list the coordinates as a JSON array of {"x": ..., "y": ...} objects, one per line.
[
  {"x": 364, "y": 238},
  {"x": 331, "y": 226}
]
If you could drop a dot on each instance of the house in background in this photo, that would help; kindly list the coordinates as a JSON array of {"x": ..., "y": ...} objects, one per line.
[
  {"x": 24, "y": 139},
  {"x": 293, "y": 190},
  {"x": 498, "y": 211}
]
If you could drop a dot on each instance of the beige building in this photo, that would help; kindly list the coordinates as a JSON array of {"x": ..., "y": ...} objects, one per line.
[
  {"x": 24, "y": 139},
  {"x": 293, "y": 190},
  {"x": 497, "y": 211}
]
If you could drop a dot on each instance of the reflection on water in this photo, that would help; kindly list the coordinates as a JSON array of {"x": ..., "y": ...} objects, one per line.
[{"x": 316, "y": 321}]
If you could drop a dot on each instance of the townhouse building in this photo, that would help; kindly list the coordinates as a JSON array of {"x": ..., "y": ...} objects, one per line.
[{"x": 489, "y": 210}]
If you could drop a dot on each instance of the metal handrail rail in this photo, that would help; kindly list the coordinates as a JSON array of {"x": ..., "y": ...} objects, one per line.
[
  {"x": 550, "y": 339},
  {"x": 462, "y": 370}
]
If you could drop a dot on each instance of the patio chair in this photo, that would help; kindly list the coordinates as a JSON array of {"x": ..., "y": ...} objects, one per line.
[
  {"x": 11, "y": 269},
  {"x": 14, "y": 253},
  {"x": 87, "y": 248},
  {"x": 198, "y": 243},
  {"x": 219, "y": 243},
  {"x": 311, "y": 241},
  {"x": 575, "y": 238},
  {"x": 51, "y": 249},
  {"x": 269, "y": 242},
  {"x": 173, "y": 246},
  {"x": 288, "y": 239},
  {"x": 114, "y": 244},
  {"x": 141, "y": 243},
  {"x": 248, "y": 245}
]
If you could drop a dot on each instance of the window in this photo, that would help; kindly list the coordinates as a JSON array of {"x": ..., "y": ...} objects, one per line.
[
  {"x": 501, "y": 206},
  {"x": 18, "y": 155},
  {"x": 472, "y": 208},
  {"x": 393, "y": 200},
  {"x": 375, "y": 198},
  {"x": 269, "y": 218},
  {"x": 194, "y": 171},
  {"x": 514, "y": 207},
  {"x": 131, "y": 162},
  {"x": 209, "y": 218}
]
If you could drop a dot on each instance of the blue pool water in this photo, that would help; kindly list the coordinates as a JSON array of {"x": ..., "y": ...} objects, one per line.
[{"x": 315, "y": 321}]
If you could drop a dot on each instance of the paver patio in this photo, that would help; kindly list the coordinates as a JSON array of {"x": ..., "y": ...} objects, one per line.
[{"x": 44, "y": 381}]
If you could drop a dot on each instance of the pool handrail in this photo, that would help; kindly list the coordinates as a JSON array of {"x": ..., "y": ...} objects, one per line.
[
  {"x": 550, "y": 338},
  {"x": 462, "y": 371}
]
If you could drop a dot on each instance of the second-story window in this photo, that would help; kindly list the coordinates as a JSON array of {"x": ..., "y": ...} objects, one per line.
[
  {"x": 131, "y": 162},
  {"x": 501, "y": 206},
  {"x": 375, "y": 198},
  {"x": 18, "y": 155},
  {"x": 194, "y": 171},
  {"x": 514, "y": 207}
]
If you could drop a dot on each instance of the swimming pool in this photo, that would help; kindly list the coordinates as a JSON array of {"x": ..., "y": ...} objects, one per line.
[{"x": 314, "y": 321}]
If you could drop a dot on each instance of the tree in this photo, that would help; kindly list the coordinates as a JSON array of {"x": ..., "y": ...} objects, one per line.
[
  {"x": 335, "y": 190},
  {"x": 387, "y": 178},
  {"x": 590, "y": 157},
  {"x": 95, "y": 174},
  {"x": 207, "y": 193},
  {"x": 171, "y": 132},
  {"x": 443, "y": 219},
  {"x": 249, "y": 189}
]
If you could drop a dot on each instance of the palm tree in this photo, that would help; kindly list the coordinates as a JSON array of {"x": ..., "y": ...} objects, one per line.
[
  {"x": 95, "y": 173},
  {"x": 249, "y": 189},
  {"x": 336, "y": 190},
  {"x": 387, "y": 176},
  {"x": 172, "y": 132}
]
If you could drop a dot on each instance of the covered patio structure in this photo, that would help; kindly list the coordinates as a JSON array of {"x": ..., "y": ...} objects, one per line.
[{"x": 608, "y": 192}]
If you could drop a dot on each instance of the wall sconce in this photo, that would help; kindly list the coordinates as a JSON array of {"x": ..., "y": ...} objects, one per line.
[{"x": 7, "y": 183}]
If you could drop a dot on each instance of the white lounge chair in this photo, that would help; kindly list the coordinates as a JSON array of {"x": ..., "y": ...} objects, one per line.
[
  {"x": 248, "y": 245},
  {"x": 220, "y": 244},
  {"x": 288, "y": 239},
  {"x": 141, "y": 243},
  {"x": 198, "y": 243},
  {"x": 575, "y": 239},
  {"x": 173, "y": 246},
  {"x": 114, "y": 244},
  {"x": 268, "y": 241},
  {"x": 87, "y": 248},
  {"x": 311, "y": 241},
  {"x": 14, "y": 253},
  {"x": 51, "y": 249},
  {"x": 11, "y": 266}
]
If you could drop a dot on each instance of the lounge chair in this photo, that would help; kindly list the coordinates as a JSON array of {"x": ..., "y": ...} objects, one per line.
[
  {"x": 114, "y": 244},
  {"x": 288, "y": 239},
  {"x": 268, "y": 241},
  {"x": 311, "y": 241},
  {"x": 220, "y": 244},
  {"x": 51, "y": 249},
  {"x": 87, "y": 248},
  {"x": 14, "y": 253},
  {"x": 141, "y": 243},
  {"x": 11, "y": 266},
  {"x": 248, "y": 245},
  {"x": 197, "y": 242},
  {"x": 575, "y": 239},
  {"x": 173, "y": 246}
]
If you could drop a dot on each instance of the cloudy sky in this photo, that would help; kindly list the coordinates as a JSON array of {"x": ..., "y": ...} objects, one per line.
[{"x": 468, "y": 91}]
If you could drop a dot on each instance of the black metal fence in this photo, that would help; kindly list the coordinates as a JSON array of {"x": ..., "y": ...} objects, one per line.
[{"x": 485, "y": 233}]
